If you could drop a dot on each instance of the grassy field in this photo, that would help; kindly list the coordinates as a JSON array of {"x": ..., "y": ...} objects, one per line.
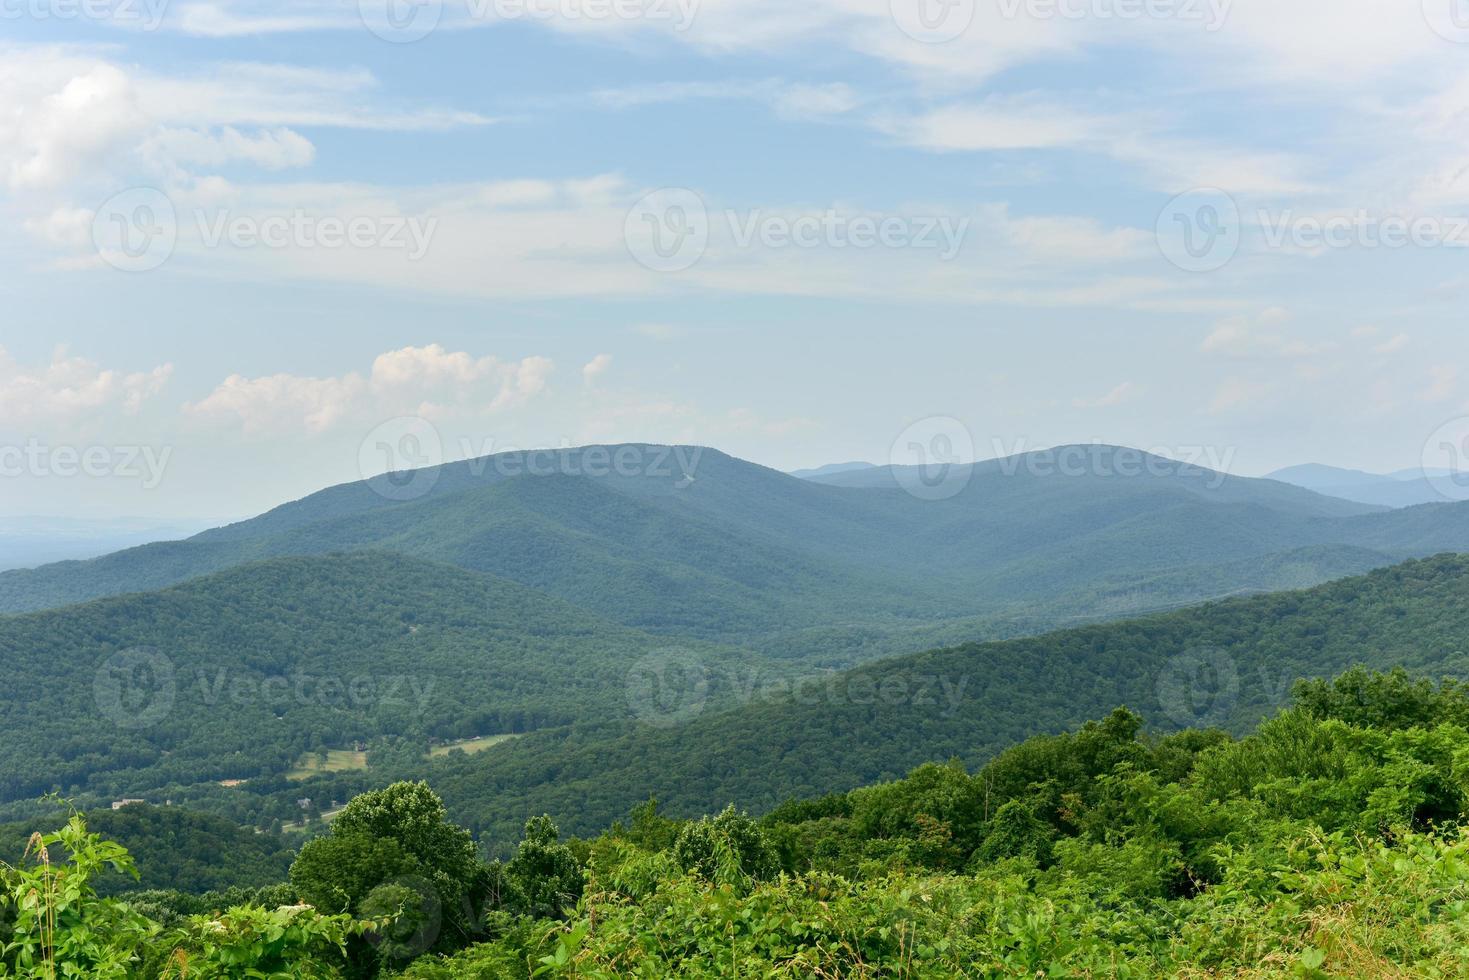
[
  {"x": 337, "y": 760},
  {"x": 472, "y": 745}
]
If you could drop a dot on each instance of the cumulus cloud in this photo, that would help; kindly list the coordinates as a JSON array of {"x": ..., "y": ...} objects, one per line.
[
  {"x": 69, "y": 386},
  {"x": 595, "y": 368},
  {"x": 430, "y": 381}
]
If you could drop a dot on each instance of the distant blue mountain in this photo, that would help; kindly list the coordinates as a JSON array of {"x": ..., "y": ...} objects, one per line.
[
  {"x": 1405, "y": 488},
  {"x": 830, "y": 469}
]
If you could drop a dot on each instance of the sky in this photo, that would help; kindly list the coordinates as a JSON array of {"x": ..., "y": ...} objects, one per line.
[{"x": 251, "y": 249}]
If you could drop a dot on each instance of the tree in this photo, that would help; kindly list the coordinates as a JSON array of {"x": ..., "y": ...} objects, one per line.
[
  {"x": 546, "y": 873},
  {"x": 385, "y": 844},
  {"x": 729, "y": 847}
]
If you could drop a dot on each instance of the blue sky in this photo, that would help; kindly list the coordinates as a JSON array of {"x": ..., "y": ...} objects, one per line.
[{"x": 1033, "y": 166}]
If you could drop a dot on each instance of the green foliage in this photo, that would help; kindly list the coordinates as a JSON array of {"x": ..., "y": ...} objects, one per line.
[
  {"x": 391, "y": 854},
  {"x": 546, "y": 875},
  {"x": 1313, "y": 847},
  {"x": 729, "y": 849}
]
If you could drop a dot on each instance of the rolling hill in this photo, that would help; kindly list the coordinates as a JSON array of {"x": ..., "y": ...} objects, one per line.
[
  {"x": 691, "y": 542},
  {"x": 237, "y": 675},
  {"x": 1226, "y": 664}
]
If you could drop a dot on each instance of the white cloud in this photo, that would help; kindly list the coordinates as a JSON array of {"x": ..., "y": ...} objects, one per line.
[
  {"x": 1262, "y": 336},
  {"x": 78, "y": 122},
  {"x": 1233, "y": 393},
  {"x": 1037, "y": 122},
  {"x": 659, "y": 331},
  {"x": 1392, "y": 346},
  {"x": 430, "y": 381},
  {"x": 69, "y": 386},
  {"x": 1124, "y": 392},
  {"x": 593, "y": 370},
  {"x": 273, "y": 149}
]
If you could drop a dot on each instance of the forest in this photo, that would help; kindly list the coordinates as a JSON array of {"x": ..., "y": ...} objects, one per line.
[{"x": 1328, "y": 841}]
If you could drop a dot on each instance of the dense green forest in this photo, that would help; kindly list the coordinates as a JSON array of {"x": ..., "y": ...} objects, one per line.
[
  {"x": 1226, "y": 664},
  {"x": 721, "y": 725},
  {"x": 533, "y": 598},
  {"x": 237, "y": 676},
  {"x": 176, "y": 849},
  {"x": 1326, "y": 842}
]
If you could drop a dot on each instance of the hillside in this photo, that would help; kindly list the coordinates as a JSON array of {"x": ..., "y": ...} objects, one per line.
[
  {"x": 1329, "y": 841},
  {"x": 748, "y": 556},
  {"x": 238, "y": 675},
  {"x": 843, "y": 730}
]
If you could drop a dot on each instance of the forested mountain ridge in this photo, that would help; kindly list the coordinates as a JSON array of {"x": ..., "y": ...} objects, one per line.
[
  {"x": 1227, "y": 664},
  {"x": 237, "y": 675},
  {"x": 699, "y": 543}
]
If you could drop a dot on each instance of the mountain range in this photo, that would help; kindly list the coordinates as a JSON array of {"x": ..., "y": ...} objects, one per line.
[
  {"x": 1406, "y": 488},
  {"x": 533, "y": 592}
]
